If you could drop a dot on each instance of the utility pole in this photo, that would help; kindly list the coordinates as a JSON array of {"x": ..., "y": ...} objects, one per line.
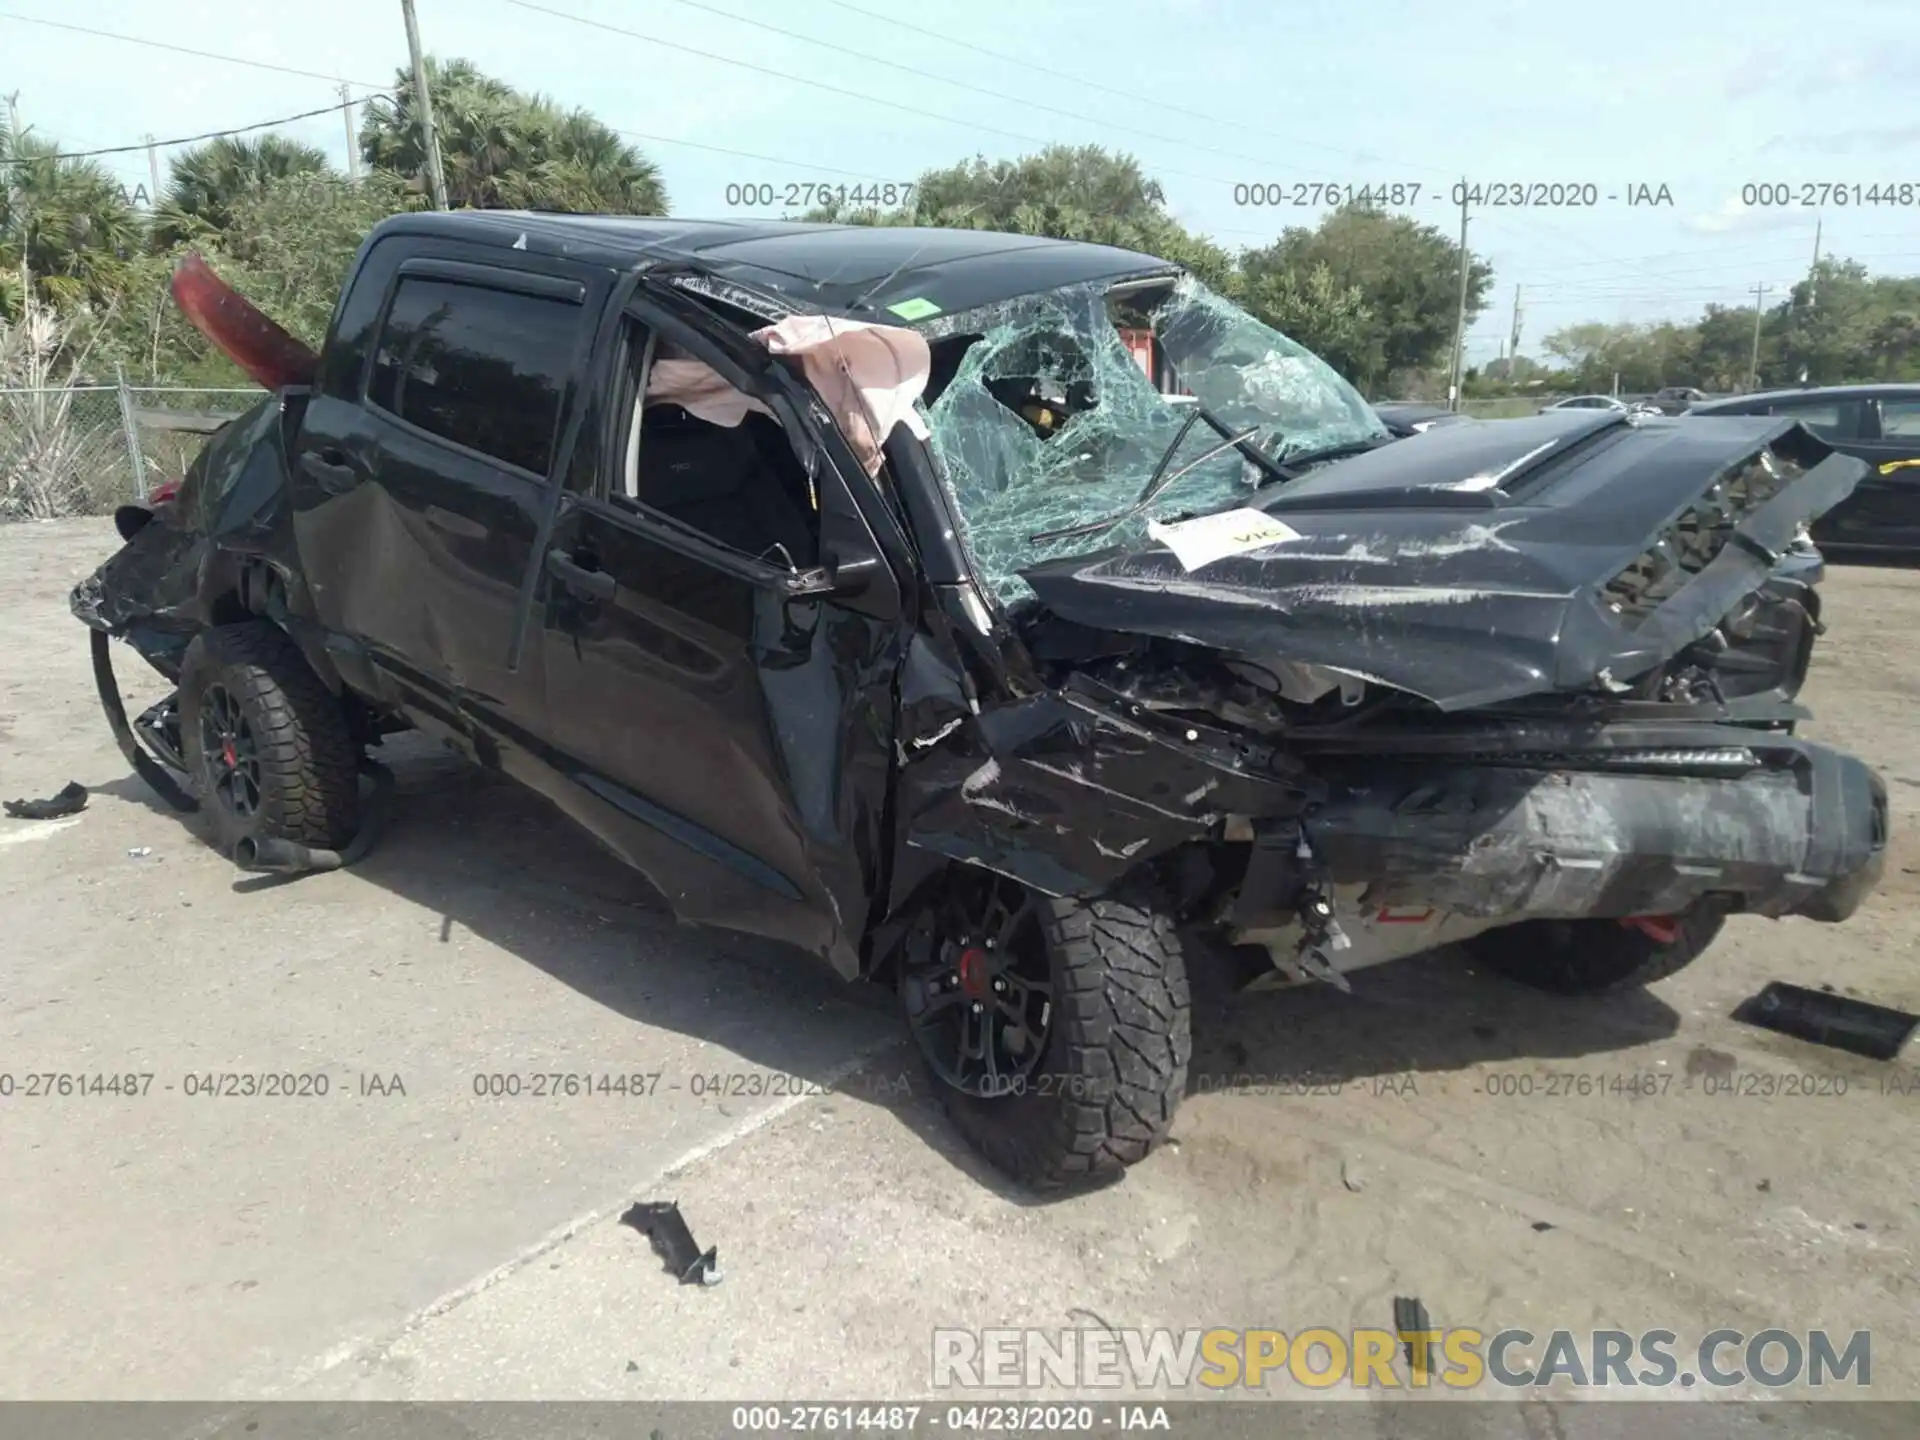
[
  {"x": 353, "y": 140},
  {"x": 1759, "y": 295},
  {"x": 1813, "y": 271},
  {"x": 1513, "y": 334},
  {"x": 423, "y": 103},
  {"x": 1457, "y": 370},
  {"x": 153, "y": 173},
  {"x": 18, "y": 208}
]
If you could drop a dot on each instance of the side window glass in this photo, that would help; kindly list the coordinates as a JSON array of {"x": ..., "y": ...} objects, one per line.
[
  {"x": 716, "y": 460},
  {"x": 1829, "y": 419},
  {"x": 481, "y": 367},
  {"x": 1900, "y": 419}
]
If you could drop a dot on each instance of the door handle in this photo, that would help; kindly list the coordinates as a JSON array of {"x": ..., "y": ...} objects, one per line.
[
  {"x": 596, "y": 584},
  {"x": 331, "y": 469}
]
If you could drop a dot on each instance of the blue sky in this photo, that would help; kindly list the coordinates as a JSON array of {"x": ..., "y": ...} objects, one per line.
[{"x": 1702, "y": 99}]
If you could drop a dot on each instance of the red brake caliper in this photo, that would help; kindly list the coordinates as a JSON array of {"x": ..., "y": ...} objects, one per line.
[
  {"x": 1661, "y": 929},
  {"x": 973, "y": 973}
]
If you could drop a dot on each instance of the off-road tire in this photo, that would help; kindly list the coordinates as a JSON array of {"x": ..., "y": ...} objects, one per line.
[
  {"x": 307, "y": 760},
  {"x": 1115, "y": 1065},
  {"x": 1587, "y": 957}
]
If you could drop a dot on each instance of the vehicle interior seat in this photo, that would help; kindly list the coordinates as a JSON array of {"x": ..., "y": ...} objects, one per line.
[{"x": 737, "y": 484}]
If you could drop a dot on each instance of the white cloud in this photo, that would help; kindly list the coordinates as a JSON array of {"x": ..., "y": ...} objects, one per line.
[
  {"x": 1863, "y": 140},
  {"x": 1735, "y": 217}
]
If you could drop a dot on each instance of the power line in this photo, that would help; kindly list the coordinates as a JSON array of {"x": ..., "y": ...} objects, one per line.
[
  {"x": 1031, "y": 104},
  {"x": 1710, "y": 250},
  {"x": 1132, "y": 97},
  {"x": 188, "y": 139},
  {"x": 1597, "y": 290},
  {"x": 750, "y": 155},
  {"x": 177, "y": 49},
  {"x": 917, "y": 112}
]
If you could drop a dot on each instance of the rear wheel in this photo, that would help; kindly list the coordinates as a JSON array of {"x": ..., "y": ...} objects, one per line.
[
  {"x": 1057, "y": 1031},
  {"x": 1584, "y": 957},
  {"x": 267, "y": 744}
]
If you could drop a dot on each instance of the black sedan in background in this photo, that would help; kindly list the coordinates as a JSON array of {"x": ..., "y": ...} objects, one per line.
[{"x": 1878, "y": 423}]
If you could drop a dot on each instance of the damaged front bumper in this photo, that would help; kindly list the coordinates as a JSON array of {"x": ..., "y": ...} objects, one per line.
[{"x": 1421, "y": 853}]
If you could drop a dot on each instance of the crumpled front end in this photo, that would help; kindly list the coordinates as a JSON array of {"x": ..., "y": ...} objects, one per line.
[
  {"x": 1542, "y": 672},
  {"x": 1419, "y": 852}
]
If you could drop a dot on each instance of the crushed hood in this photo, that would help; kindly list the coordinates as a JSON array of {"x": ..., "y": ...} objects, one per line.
[{"x": 1483, "y": 561}]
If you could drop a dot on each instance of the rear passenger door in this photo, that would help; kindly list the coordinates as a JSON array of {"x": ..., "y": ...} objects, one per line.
[
  {"x": 1838, "y": 421},
  {"x": 423, "y": 472},
  {"x": 1885, "y": 510}
]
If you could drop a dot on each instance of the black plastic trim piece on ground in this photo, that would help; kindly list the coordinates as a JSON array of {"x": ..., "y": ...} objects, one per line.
[
  {"x": 1858, "y": 1026},
  {"x": 663, "y": 1224},
  {"x": 71, "y": 800},
  {"x": 1410, "y": 1322}
]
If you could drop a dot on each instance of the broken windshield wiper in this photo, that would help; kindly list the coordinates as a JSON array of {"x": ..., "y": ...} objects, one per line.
[
  {"x": 1159, "y": 481},
  {"x": 1289, "y": 468}
]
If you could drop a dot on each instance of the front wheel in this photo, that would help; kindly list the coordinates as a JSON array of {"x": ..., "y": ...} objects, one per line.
[
  {"x": 267, "y": 744},
  {"x": 1057, "y": 1031},
  {"x": 1585, "y": 957}
]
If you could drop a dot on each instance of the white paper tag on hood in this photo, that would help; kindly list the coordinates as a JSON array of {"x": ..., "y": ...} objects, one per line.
[{"x": 1212, "y": 537}]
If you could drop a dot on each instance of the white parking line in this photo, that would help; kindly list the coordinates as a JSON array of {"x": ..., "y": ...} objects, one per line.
[
  {"x": 732, "y": 1135},
  {"x": 40, "y": 830}
]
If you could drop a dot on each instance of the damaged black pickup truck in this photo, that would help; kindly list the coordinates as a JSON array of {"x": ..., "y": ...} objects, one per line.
[{"x": 1011, "y": 620}]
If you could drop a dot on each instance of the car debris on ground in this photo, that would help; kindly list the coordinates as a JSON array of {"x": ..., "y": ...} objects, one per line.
[
  {"x": 1412, "y": 1323},
  {"x": 70, "y": 800},
  {"x": 663, "y": 1224},
  {"x": 1878, "y": 1032}
]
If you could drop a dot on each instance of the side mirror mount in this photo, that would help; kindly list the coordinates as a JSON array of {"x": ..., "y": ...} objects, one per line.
[{"x": 836, "y": 578}]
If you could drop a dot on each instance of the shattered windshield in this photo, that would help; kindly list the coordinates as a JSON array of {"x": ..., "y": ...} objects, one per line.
[{"x": 1054, "y": 410}]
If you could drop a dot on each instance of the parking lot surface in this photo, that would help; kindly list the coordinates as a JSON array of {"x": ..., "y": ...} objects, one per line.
[{"x": 424, "y": 1217}]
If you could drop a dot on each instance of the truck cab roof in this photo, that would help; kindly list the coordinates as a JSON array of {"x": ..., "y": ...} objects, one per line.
[{"x": 862, "y": 271}]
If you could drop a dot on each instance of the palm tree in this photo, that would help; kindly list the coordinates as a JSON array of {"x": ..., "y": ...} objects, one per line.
[
  {"x": 502, "y": 149},
  {"x": 209, "y": 179},
  {"x": 598, "y": 171},
  {"x": 70, "y": 219}
]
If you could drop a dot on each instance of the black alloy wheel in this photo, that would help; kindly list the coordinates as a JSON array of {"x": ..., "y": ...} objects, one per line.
[
  {"x": 232, "y": 758},
  {"x": 976, "y": 985}
]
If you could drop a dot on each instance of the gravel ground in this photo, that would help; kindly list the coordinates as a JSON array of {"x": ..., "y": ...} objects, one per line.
[{"x": 402, "y": 1237}]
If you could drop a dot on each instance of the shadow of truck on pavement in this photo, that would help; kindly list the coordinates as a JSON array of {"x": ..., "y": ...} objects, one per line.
[{"x": 492, "y": 858}]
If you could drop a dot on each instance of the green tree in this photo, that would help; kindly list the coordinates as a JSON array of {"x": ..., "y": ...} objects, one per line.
[
  {"x": 1408, "y": 274},
  {"x": 1839, "y": 324},
  {"x": 71, "y": 220},
  {"x": 1062, "y": 180},
  {"x": 1895, "y": 345},
  {"x": 1331, "y": 319},
  {"x": 1639, "y": 357},
  {"x": 207, "y": 181},
  {"x": 286, "y": 247},
  {"x": 1065, "y": 192},
  {"x": 503, "y": 149},
  {"x": 1723, "y": 348}
]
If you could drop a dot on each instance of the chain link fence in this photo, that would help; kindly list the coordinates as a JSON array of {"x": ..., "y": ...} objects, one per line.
[{"x": 84, "y": 449}]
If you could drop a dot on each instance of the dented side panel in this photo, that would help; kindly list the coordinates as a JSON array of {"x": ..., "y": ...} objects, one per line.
[
  {"x": 1065, "y": 791},
  {"x": 168, "y": 581}
]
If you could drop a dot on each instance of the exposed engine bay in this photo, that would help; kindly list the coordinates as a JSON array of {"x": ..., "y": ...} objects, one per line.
[{"x": 1522, "y": 744}]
